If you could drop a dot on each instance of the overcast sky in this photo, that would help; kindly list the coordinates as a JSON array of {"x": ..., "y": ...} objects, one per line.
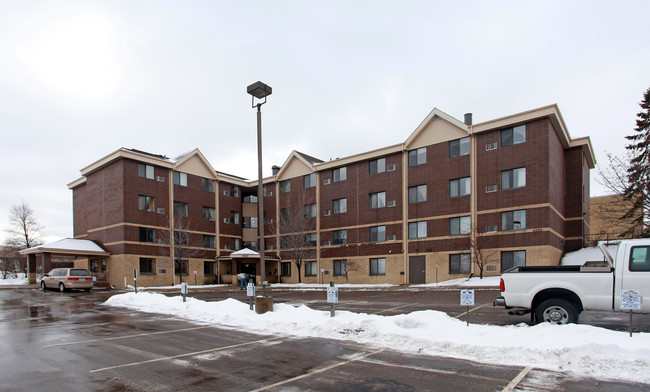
[{"x": 80, "y": 79}]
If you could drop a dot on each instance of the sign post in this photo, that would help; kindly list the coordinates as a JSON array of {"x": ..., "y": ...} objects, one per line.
[
  {"x": 195, "y": 273},
  {"x": 250, "y": 292},
  {"x": 467, "y": 299},
  {"x": 332, "y": 297},
  {"x": 631, "y": 300},
  {"x": 184, "y": 290},
  {"x": 135, "y": 280}
]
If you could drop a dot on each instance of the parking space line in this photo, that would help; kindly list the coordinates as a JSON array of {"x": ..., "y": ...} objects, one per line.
[
  {"x": 471, "y": 310},
  {"x": 167, "y": 358},
  {"x": 354, "y": 359},
  {"x": 515, "y": 381},
  {"x": 393, "y": 308},
  {"x": 127, "y": 336}
]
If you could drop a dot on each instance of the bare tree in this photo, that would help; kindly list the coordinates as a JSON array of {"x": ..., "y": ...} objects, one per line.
[
  {"x": 351, "y": 266},
  {"x": 24, "y": 229},
  {"x": 181, "y": 245},
  {"x": 11, "y": 261},
  {"x": 297, "y": 242},
  {"x": 481, "y": 255}
]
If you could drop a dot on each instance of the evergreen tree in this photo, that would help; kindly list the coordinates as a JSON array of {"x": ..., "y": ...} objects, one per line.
[{"x": 638, "y": 172}]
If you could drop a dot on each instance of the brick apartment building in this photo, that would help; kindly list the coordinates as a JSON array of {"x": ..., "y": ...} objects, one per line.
[{"x": 509, "y": 191}]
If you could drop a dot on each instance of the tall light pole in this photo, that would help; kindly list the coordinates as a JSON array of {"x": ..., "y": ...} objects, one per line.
[{"x": 260, "y": 90}]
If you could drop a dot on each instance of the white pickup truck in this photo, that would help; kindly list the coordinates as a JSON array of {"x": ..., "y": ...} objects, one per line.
[{"x": 558, "y": 294}]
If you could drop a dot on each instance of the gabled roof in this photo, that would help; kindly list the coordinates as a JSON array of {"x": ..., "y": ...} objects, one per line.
[
  {"x": 435, "y": 115},
  {"x": 245, "y": 253},
  {"x": 208, "y": 171},
  {"x": 297, "y": 162}
]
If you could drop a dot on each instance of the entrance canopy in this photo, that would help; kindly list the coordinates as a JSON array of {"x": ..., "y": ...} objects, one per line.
[{"x": 69, "y": 247}]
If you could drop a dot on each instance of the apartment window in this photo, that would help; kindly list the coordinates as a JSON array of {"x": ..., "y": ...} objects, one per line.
[
  {"x": 285, "y": 268},
  {"x": 310, "y": 239},
  {"x": 340, "y": 267},
  {"x": 458, "y": 148},
  {"x": 180, "y": 209},
  {"x": 513, "y": 220},
  {"x": 378, "y": 200},
  {"x": 209, "y": 241},
  {"x": 234, "y": 217},
  {"x": 340, "y": 174},
  {"x": 310, "y": 180},
  {"x": 146, "y": 235},
  {"x": 459, "y": 187},
  {"x": 460, "y": 225},
  {"x": 145, "y": 171},
  {"x": 512, "y": 136},
  {"x": 378, "y": 233},
  {"x": 340, "y": 206},
  {"x": 310, "y": 268},
  {"x": 340, "y": 237},
  {"x": 209, "y": 214},
  {"x": 418, "y": 157},
  {"x": 234, "y": 191},
  {"x": 181, "y": 267},
  {"x": 378, "y": 166},
  {"x": 515, "y": 178},
  {"x": 207, "y": 185},
  {"x": 378, "y": 266},
  {"x": 310, "y": 211},
  {"x": 235, "y": 244},
  {"x": 250, "y": 245},
  {"x": 285, "y": 214},
  {"x": 512, "y": 259},
  {"x": 417, "y": 194},
  {"x": 181, "y": 238},
  {"x": 147, "y": 266},
  {"x": 97, "y": 266},
  {"x": 285, "y": 186},
  {"x": 250, "y": 222},
  {"x": 417, "y": 230},
  {"x": 460, "y": 263},
  {"x": 180, "y": 178},
  {"x": 209, "y": 268},
  {"x": 146, "y": 203}
]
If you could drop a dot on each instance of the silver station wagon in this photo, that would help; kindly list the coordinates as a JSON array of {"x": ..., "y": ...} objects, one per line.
[{"x": 67, "y": 278}]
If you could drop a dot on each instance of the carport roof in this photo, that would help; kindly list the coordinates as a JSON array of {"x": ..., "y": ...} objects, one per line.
[{"x": 69, "y": 246}]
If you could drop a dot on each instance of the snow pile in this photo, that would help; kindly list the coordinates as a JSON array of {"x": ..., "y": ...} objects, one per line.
[
  {"x": 580, "y": 349},
  {"x": 587, "y": 254},
  {"x": 20, "y": 279}
]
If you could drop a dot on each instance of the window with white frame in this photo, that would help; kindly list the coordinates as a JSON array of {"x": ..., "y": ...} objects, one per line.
[
  {"x": 511, "y": 259},
  {"x": 417, "y": 157},
  {"x": 145, "y": 171},
  {"x": 460, "y": 263},
  {"x": 285, "y": 268},
  {"x": 310, "y": 211},
  {"x": 514, "y": 135},
  {"x": 340, "y": 267},
  {"x": 378, "y": 166},
  {"x": 146, "y": 234},
  {"x": 147, "y": 266},
  {"x": 340, "y": 237},
  {"x": 512, "y": 179},
  {"x": 310, "y": 268},
  {"x": 209, "y": 241},
  {"x": 378, "y": 200},
  {"x": 417, "y": 230},
  {"x": 340, "y": 206},
  {"x": 209, "y": 214},
  {"x": 459, "y": 147},
  {"x": 310, "y": 180},
  {"x": 234, "y": 217},
  {"x": 207, "y": 185},
  {"x": 180, "y": 178},
  {"x": 180, "y": 209},
  {"x": 513, "y": 220},
  {"x": 460, "y": 225},
  {"x": 459, "y": 187},
  {"x": 378, "y": 266},
  {"x": 310, "y": 239},
  {"x": 340, "y": 174},
  {"x": 146, "y": 203},
  {"x": 377, "y": 233},
  {"x": 285, "y": 186},
  {"x": 417, "y": 194},
  {"x": 250, "y": 222}
]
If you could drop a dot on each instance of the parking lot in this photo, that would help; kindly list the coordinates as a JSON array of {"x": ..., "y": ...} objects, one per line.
[{"x": 70, "y": 341}]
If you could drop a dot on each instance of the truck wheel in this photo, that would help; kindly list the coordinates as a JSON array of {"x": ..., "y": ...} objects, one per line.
[{"x": 556, "y": 311}]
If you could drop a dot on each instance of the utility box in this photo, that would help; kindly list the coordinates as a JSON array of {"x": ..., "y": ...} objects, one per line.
[{"x": 263, "y": 304}]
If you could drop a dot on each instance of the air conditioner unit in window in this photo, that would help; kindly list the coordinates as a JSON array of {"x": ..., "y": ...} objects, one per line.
[
  {"x": 226, "y": 193},
  {"x": 160, "y": 241},
  {"x": 326, "y": 181},
  {"x": 491, "y": 188},
  {"x": 160, "y": 178},
  {"x": 491, "y": 146},
  {"x": 491, "y": 229},
  {"x": 490, "y": 268},
  {"x": 391, "y": 203},
  {"x": 160, "y": 210},
  {"x": 327, "y": 212},
  {"x": 226, "y": 220},
  {"x": 391, "y": 167},
  {"x": 391, "y": 237}
]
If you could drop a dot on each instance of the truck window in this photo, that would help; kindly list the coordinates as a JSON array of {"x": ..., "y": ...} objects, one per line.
[{"x": 639, "y": 259}]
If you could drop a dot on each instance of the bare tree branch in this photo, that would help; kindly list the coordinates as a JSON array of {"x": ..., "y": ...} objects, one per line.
[{"x": 24, "y": 229}]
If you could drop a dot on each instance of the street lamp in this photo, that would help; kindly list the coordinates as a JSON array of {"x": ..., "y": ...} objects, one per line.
[{"x": 260, "y": 90}]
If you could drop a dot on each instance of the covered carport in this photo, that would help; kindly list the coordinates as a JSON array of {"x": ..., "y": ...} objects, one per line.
[{"x": 68, "y": 252}]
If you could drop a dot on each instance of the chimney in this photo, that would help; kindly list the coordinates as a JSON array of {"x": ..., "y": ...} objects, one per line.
[
  {"x": 275, "y": 169},
  {"x": 468, "y": 118}
]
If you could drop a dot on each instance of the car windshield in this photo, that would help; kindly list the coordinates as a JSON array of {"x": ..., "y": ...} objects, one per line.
[{"x": 79, "y": 272}]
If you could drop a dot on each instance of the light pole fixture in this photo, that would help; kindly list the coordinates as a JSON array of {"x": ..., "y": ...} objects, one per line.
[{"x": 260, "y": 90}]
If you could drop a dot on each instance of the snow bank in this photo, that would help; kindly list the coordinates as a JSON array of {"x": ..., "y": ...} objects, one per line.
[{"x": 581, "y": 349}]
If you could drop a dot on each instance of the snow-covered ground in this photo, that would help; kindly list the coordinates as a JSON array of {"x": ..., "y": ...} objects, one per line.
[
  {"x": 580, "y": 349},
  {"x": 21, "y": 279}
]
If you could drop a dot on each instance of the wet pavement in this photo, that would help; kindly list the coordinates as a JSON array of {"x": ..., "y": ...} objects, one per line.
[{"x": 55, "y": 341}]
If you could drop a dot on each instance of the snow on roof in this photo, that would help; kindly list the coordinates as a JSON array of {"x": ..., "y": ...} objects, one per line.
[
  {"x": 245, "y": 253},
  {"x": 68, "y": 245}
]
